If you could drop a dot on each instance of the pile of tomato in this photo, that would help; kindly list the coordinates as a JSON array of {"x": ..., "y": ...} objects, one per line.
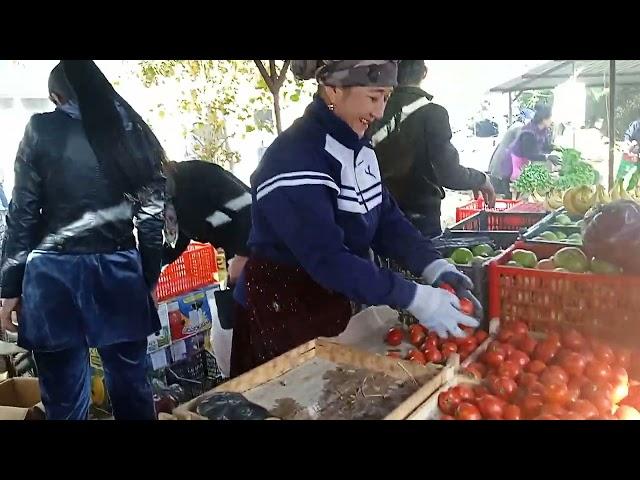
[
  {"x": 429, "y": 347},
  {"x": 565, "y": 376}
]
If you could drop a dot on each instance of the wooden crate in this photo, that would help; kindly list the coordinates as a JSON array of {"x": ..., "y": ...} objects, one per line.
[{"x": 315, "y": 360}]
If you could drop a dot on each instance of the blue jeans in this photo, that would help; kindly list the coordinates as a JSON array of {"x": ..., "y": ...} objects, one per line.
[{"x": 65, "y": 382}]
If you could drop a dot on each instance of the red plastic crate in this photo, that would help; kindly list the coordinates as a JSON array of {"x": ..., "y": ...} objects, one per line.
[
  {"x": 478, "y": 205},
  {"x": 606, "y": 306},
  {"x": 488, "y": 221},
  {"x": 195, "y": 268}
]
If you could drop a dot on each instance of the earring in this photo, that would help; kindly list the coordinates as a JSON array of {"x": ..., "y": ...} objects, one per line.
[{"x": 331, "y": 106}]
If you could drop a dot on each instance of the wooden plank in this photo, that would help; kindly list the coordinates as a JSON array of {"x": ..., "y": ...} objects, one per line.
[
  {"x": 415, "y": 401},
  {"x": 345, "y": 354}
]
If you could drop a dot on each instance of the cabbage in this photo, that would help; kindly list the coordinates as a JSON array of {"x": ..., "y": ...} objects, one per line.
[{"x": 612, "y": 234}]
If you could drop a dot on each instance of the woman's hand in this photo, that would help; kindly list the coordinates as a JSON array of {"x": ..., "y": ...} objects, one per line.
[{"x": 9, "y": 305}]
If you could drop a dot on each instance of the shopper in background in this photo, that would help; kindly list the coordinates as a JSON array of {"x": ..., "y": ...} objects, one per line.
[
  {"x": 533, "y": 144},
  {"x": 417, "y": 159},
  {"x": 70, "y": 267},
  {"x": 318, "y": 208},
  {"x": 502, "y": 185},
  {"x": 207, "y": 204}
]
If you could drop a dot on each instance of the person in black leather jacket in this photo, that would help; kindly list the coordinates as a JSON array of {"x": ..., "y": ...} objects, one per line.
[
  {"x": 417, "y": 159},
  {"x": 208, "y": 204},
  {"x": 71, "y": 268}
]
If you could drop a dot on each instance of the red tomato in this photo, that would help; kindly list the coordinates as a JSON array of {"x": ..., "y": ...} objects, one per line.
[
  {"x": 602, "y": 403},
  {"x": 433, "y": 335},
  {"x": 527, "y": 379},
  {"x": 419, "y": 327},
  {"x": 433, "y": 355},
  {"x": 573, "y": 389},
  {"x": 429, "y": 343},
  {"x": 531, "y": 406},
  {"x": 466, "y": 306},
  {"x": 467, "y": 343},
  {"x": 490, "y": 407},
  {"x": 553, "y": 409},
  {"x": 492, "y": 358},
  {"x": 526, "y": 344},
  {"x": 446, "y": 417},
  {"x": 623, "y": 357},
  {"x": 394, "y": 336},
  {"x": 448, "y": 288},
  {"x": 554, "y": 338},
  {"x": 417, "y": 356},
  {"x": 537, "y": 388},
  {"x": 597, "y": 371},
  {"x": 393, "y": 354},
  {"x": 584, "y": 408},
  {"x": 504, "y": 388},
  {"x": 573, "y": 363},
  {"x": 467, "y": 411},
  {"x": 416, "y": 336},
  {"x": 505, "y": 334},
  {"x": 496, "y": 346},
  {"x": 509, "y": 369},
  {"x": 519, "y": 357},
  {"x": 545, "y": 351},
  {"x": 626, "y": 412},
  {"x": 464, "y": 393},
  {"x": 546, "y": 417},
  {"x": 508, "y": 349},
  {"x": 605, "y": 354},
  {"x": 448, "y": 401},
  {"x": 619, "y": 375},
  {"x": 474, "y": 371},
  {"x": 481, "y": 336},
  {"x": 467, "y": 349},
  {"x": 535, "y": 366},
  {"x": 573, "y": 416},
  {"x": 447, "y": 349},
  {"x": 479, "y": 391},
  {"x": 572, "y": 339},
  {"x": 511, "y": 412},
  {"x": 556, "y": 393},
  {"x": 554, "y": 374},
  {"x": 519, "y": 328}
]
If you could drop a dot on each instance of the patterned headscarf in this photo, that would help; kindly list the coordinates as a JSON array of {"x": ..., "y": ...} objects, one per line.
[{"x": 348, "y": 73}]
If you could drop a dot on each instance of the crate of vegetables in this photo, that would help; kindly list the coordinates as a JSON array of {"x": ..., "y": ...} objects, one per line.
[
  {"x": 558, "y": 228},
  {"x": 471, "y": 255},
  {"x": 324, "y": 380},
  {"x": 551, "y": 285},
  {"x": 533, "y": 375}
]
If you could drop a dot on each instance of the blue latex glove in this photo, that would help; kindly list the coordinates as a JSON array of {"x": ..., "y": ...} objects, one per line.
[{"x": 441, "y": 271}]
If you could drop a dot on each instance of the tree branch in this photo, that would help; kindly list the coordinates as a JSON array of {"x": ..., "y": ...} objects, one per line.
[
  {"x": 265, "y": 75},
  {"x": 283, "y": 74}
]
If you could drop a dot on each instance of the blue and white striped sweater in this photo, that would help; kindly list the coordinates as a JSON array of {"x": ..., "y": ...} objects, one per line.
[{"x": 318, "y": 202}]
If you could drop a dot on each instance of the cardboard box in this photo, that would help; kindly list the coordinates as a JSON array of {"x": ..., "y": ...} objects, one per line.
[
  {"x": 20, "y": 399},
  {"x": 162, "y": 338},
  {"x": 189, "y": 314}
]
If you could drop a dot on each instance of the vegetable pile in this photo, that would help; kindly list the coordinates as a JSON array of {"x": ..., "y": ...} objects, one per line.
[
  {"x": 564, "y": 376},
  {"x": 429, "y": 347}
]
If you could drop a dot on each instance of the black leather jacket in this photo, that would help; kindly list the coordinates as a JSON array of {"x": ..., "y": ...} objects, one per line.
[{"x": 62, "y": 202}]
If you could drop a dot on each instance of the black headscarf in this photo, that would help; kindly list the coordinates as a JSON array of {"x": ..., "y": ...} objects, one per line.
[{"x": 128, "y": 151}]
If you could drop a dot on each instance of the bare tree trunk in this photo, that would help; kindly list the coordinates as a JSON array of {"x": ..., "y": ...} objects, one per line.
[{"x": 274, "y": 81}]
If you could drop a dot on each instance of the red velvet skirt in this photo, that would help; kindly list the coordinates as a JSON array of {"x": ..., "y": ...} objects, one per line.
[{"x": 285, "y": 308}]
